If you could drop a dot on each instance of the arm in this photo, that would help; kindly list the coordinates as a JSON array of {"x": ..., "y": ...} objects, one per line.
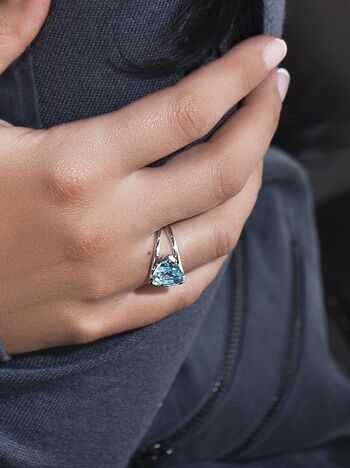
[{"x": 75, "y": 261}]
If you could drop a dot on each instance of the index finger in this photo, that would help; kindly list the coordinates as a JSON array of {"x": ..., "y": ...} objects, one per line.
[{"x": 168, "y": 120}]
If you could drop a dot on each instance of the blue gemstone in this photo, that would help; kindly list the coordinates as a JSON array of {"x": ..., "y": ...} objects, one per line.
[{"x": 167, "y": 273}]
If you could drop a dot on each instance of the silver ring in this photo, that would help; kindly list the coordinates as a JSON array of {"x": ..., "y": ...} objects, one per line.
[{"x": 166, "y": 271}]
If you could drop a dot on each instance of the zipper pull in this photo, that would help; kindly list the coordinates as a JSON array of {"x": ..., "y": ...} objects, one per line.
[{"x": 155, "y": 454}]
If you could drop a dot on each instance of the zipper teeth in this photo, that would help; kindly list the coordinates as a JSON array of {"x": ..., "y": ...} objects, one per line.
[
  {"x": 291, "y": 360},
  {"x": 157, "y": 451}
]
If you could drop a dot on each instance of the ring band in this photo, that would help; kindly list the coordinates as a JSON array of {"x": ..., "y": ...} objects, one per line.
[{"x": 166, "y": 271}]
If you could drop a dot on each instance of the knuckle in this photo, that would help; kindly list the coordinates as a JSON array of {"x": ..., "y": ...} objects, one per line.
[
  {"x": 225, "y": 180},
  {"x": 224, "y": 240},
  {"x": 188, "y": 116},
  {"x": 68, "y": 183},
  {"x": 87, "y": 241}
]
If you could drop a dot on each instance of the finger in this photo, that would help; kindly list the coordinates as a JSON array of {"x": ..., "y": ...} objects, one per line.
[
  {"x": 144, "y": 306},
  {"x": 68, "y": 323},
  {"x": 200, "y": 239},
  {"x": 168, "y": 120},
  {"x": 211, "y": 173},
  {"x": 20, "y": 21},
  {"x": 215, "y": 233},
  {"x": 3, "y": 123},
  {"x": 204, "y": 237}
]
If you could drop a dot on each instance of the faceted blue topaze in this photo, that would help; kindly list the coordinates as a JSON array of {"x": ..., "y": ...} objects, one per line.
[{"x": 167, "y": 273}]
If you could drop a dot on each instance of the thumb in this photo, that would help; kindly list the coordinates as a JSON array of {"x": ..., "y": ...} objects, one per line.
[{"x": 20, "y": 21}]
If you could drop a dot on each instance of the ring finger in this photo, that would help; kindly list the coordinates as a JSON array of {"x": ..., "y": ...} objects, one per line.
[
  {"x": 215, "y": 233},
  {"x": 204, "y": 237}
]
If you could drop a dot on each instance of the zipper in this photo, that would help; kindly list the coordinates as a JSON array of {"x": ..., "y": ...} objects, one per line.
[
  {"x": 291, "y": 360},
  {"x": 164, "y": 448}
]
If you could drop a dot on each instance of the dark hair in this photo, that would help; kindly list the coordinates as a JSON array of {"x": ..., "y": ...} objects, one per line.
[{"x": 201, "y": 28}]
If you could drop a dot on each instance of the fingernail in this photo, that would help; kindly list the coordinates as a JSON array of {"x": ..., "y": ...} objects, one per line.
[
  {"x": 283, "y": 80},
  {"x": 274, "y": 53}
]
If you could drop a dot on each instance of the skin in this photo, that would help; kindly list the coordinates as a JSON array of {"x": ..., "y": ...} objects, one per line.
[{"x": 79, "y": 209}]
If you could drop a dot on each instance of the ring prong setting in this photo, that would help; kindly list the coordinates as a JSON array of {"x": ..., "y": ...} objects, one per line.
[{"x": 166, "y": 271}]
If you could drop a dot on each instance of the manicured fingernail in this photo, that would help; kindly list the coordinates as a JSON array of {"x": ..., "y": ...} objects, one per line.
[
  {"x": 274, "y": 53},
  {"x": 283, "y": 80}
]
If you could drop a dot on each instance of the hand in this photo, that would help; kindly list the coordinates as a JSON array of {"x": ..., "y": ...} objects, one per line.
[{"x": 79, "y": 208}]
